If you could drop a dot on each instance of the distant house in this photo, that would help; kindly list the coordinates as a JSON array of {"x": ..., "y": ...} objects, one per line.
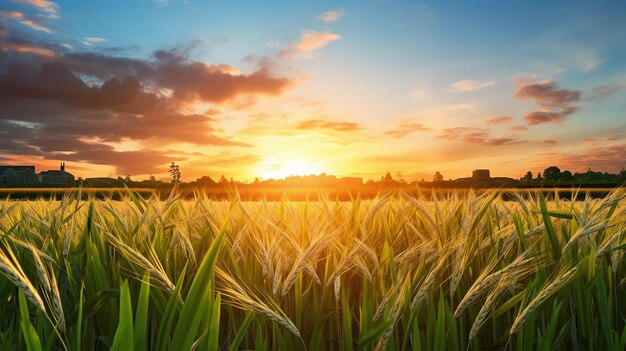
[
  {"x": 18, "y": 175},
  {"x": 481, "y": 174},
  {"x": 57, "y": 177}
]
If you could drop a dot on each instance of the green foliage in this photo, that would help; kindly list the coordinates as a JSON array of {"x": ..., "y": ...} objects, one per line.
[{"x": 455, "y": 272}]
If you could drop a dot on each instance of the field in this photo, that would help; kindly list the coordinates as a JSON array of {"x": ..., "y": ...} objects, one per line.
[{"x": 462, "y": 271}]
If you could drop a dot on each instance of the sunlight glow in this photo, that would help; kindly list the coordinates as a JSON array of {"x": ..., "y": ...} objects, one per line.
[{"x": 300, "y": 167}]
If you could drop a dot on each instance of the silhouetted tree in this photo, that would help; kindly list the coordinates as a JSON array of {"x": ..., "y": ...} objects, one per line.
[
  {"x": 552, "y": 173},
  {"x": 387, "y": 178},
  {"x": 437, "y": 177},
  {"x": 539, "y": 176},
  {"x": 152, "y": 178},
  {"x": 567, "y": 175},
  {"x": 175, "y": 173},
  {"x": 528, "y": 176},
  {"x": 223, "y": 180}
]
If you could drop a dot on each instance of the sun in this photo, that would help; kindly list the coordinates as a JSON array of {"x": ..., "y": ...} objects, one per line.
[{"x": 299, "y": 167}]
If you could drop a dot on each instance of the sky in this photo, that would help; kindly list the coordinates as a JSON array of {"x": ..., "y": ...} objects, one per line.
[{"x": 269, "y": 89}]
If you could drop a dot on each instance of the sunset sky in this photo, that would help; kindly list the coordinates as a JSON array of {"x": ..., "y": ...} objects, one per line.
[{"x": 352, "y": 88}]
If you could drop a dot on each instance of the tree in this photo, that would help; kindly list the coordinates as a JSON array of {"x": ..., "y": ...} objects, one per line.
[
  {"x": 223, "y": 180},
  {"x": 152, "y": 178},
  {"x": 552, "y": 173},
  {"x": 437, "y": 177},
  {"x": 567, "y": 175},
  {"x": 175, "y": 173},
  {"x": 387, "y": 178},
  {"x": 528, "y": 176},
  {"x": 539, "y": 176},
  {"x": 127, "y": 178}
]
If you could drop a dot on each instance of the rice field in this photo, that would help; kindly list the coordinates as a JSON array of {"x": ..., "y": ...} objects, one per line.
[{"x": 462, "y": 271}]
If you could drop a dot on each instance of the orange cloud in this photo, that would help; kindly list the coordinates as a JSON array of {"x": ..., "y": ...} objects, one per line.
[
  {"x": 331, "y": 16},
  {"x": 518, "y": 128},
  {"x": 498, "y": 120},
  {"x": 548, "y": 94},
  {"x": 49, "y": 7},
  {"x": 595, "y": 141},
  {"x": 542, "y": 117},
  {"x": 22, "y": 19},
  {"x": 406, "y": 128},
  {"x": 557, "y": 104},
  {"x": 480, "y": 136},
  {"x": 309, "y": 41},
  {"x": 25, "y": 48},
  {"x": 312, "y": 124}
]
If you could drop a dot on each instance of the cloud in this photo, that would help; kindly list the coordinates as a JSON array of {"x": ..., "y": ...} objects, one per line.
[
  {"x": 93, "y": 40},
  {"x": 604, "y": 92},
  {"x": 454, "y": 107},
  {"x": 82, "y": 106},
  {"x": 604, "y": 158},
  {"x": 498, "y": 120},
  {"x": 548, "y": 94},
  {"x": 405, "y": 128},
  {"x": 470, "y": 85},
  {"x": 125, "y": 162},
  {"x": 478, "y": 136},
  {"x": 52, "y": 96},
  {"x": 275, "y": 44},
  {"x": 518, "y": 128},
  {"x": 557, "y": 103},
  {"x": 313, "y": 124},
  {"x": 543, "y": 117},
  {"x": 309, "y": 42},
  {"x": 331, "y": 16},
  {"x": 596, "y": 141},
  {"x": 46, "y": 6},
  {"x": 24, "y": 48},
  {"x": 22, "y": 19},
  {"x": 214, "y": 83}
]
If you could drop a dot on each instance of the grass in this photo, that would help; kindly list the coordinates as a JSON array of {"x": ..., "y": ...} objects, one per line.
[{"x": 462, "y": 271}]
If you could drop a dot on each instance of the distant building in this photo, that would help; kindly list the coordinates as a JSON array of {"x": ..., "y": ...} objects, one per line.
[
  {"x": 60, "y": 177},
  {"x": 18, "y": 175},
  {"x": 481, "y": 174}
]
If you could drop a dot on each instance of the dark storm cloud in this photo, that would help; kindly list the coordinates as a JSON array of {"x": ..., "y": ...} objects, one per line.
[
  {"x": 68, "y": 106},
  {"x": 125, "y": 162}
]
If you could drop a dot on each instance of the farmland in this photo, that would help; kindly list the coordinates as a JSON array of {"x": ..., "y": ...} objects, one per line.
[{"x": 431, "y": 271}]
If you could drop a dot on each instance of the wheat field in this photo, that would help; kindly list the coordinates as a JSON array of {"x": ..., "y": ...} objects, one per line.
[{"x": 399, "y": 272}]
